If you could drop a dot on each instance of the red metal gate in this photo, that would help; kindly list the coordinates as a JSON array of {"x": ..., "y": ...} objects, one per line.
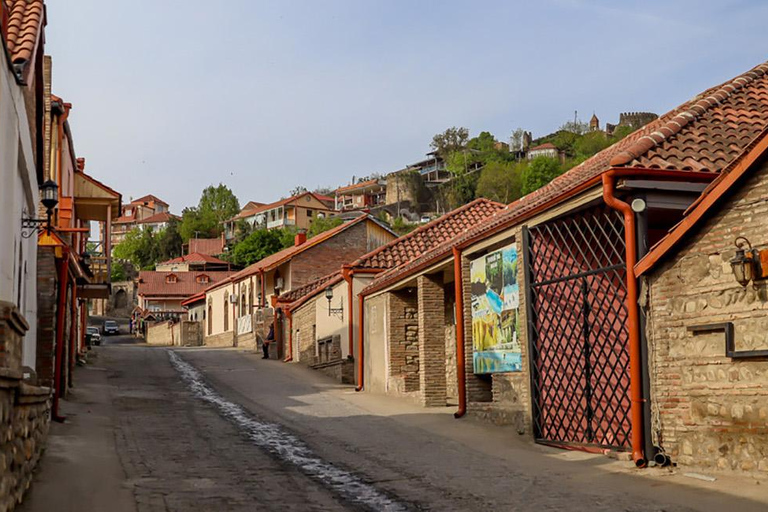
[{"x": 577, "y": 329}]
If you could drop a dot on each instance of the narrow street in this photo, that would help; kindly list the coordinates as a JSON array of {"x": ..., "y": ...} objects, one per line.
[{"x": 202, "y": 429}]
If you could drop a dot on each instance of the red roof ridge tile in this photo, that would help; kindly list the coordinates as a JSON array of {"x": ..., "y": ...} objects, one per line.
[{"x": 695, "y": 109}]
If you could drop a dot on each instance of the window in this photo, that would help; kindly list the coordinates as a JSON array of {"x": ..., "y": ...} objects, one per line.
[
  {"x": 324, "y": 350},
  {"x": 210, "y": 317},
  {"x": 171, "y": 279},
  {"x": 310, "y": 213},
  {"x": 226, "y": 314},
  {"x": 203, "y": 279}
]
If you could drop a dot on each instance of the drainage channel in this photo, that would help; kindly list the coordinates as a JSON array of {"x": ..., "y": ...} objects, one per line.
[{"x": 286, "y": 446}]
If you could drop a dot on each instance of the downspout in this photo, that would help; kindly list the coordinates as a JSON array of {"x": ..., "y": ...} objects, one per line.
[
  {"x": 263, "y": 301},
  {"x": 460, "y": 355},
  {"x": 72, "y": 333},
  {"x": 289, "y": 355},
  {"x": 346, "y": 273},
  {"x": 635, "y": 370},
  {"x": 360, "y": 351},
  {"x": 60, "y": 317}
]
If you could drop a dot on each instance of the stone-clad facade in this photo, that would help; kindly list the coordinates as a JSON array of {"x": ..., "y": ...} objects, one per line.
[{"x": 710, "y": 410}]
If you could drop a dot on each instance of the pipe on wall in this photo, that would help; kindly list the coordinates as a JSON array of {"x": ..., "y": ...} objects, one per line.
[
  {"x": 460, "y": 353},
  {"x": 635, "y": 369},
  {"x": 63, "y": 275},
  {"x": 360, "y": 351}
]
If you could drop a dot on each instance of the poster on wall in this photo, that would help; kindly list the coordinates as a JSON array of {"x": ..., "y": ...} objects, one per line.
[{"x": 495, "y": 305}]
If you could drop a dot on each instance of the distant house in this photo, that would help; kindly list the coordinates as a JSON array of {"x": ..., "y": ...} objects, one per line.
[
  {"x": 149, "y": 211},
  {"x": 297, "y": 211},
  {"x": 163, "y": 292},
  {"x": 366, "y": 194},
  {"x": 194, "y": 261},
  {"x": 209, "y": 246},
  {"x": 548, "y": 150}
]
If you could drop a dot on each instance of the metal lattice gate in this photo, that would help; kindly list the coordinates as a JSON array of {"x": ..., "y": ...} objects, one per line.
[{"x": 577, "y": 326}]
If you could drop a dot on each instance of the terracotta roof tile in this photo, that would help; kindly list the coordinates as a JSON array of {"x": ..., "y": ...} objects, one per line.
[
  {"x": 210, "y": 246},
  {"x": 546, "y": 145},
  {"x": 248, "y": 212},
  {"x": 148, "y": 199},
  {"x": 704, "y": 134},
  {"x": 157, "y": 218},
  {"x": 363, "y": 184},
  {"x": 152, "y": 283},
  {"x": 195, "y": 258},
  {"x": 311, "y": 288},
  {"x": 25, "y": 21}
]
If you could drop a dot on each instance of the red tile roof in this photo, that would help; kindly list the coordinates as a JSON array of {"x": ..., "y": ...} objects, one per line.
[
  {"x": 310, "y": 289},
  {"x": 196, "y": 258},
  {"x": 277, "y": 259},
  {"x": 704, "y": 134},
  {"x": 546, "y": 145},
  {"x": 198, "y": 297},
  {"x": 363, "y": 184},
  {"x": 25, "y": 21},
  {"x": 148, "y": 199},
  {"x": 158, "y": 218},
  {"x": 152, "y": 283},
  {"x": 264, "y": 207},
  {"x": 410, "y": 247},
  {"x": 210, "y": 246}
]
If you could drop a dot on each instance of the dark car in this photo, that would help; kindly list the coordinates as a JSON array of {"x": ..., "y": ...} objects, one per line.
[{"x": 111, "y": 327}]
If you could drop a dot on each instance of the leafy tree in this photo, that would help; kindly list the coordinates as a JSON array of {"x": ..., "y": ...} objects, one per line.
[
  {"x": 256, "y": 246},
  {"x": 500, "y": 182},
  {"x": 539, "y": 172},
  {"x": 322, "y": 224},
  {"x": 620, "y": 132},
  {"x": 452, "y": 139},
  {"x": 590, "y": 144},
  {"x": 139, "y": 247},
  {"x": 516, "y": 139},
  {"x": 169, "y": 241},
  {"x": 216, "y": 205},
  {"x": 576, "y": 126},
  {"x": 401, "y": 227},
  {"x": 484, "y": 143},
  {"x": 297, "y": 190},
  {"x": 118, "y": 272}
]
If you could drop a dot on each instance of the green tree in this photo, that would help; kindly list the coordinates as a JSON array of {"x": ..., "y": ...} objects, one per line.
[
  {"x": 256, "y": 246},
  {"x": 118, "y": 272},
  {"x": 452, "y": 139},
  {"x": 322, "y": 224},
  {"x": 539, "y": 172},
  {"x": 139, "y": 247},
  {"x": 500, "y": 182},
  {"x": 590, "y": 144},
  {"x": 169, "y": 241},
  {"x": 217, "y": 204}
]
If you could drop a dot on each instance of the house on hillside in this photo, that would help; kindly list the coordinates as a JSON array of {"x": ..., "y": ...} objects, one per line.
[
  {"x": 548, "y": 150},
  {"x": 240, "y": 309},
  {"x": 207, "y": 246},
  {"x": 324, "y": 314},
  {"x": 547, "y": 295},
  {"x": 148, "y": 211},
  {"x": 366, "y": 194},
  {"x": 297, "y": 211}
]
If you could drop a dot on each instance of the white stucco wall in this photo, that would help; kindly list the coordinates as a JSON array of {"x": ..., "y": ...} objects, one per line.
[{"x": 18, "y": 192}]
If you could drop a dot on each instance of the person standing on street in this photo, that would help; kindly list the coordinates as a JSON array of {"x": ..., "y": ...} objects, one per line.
[{"x": 266, "y": 342}]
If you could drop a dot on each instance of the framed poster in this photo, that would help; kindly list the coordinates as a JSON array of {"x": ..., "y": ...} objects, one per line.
[{"x": 495, "y": 307}]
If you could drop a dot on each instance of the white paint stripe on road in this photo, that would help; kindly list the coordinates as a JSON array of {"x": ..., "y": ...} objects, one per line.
[{"x": 286, "y": 446}]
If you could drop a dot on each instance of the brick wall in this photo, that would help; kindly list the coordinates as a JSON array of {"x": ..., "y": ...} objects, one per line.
[
  {"x": 431, "y": 340},
  {"x": 709, "y": 410},
  {"x": 329, "y": 255},
  {"x": 403, "y": 340},
  {"x": 304, "y": 332},
  {"x": 46, "y": 315}
]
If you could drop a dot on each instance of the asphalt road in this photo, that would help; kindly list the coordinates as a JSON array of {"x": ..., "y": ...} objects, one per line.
[{"x": 200, "y": 429}]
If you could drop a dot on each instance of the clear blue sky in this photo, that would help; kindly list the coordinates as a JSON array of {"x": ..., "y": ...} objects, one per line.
[{"x": 173, "y": 95}]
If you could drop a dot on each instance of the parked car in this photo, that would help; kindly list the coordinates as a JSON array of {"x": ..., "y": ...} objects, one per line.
[
  {"x": 111, "y": 327},
  {"x": 93, "y": 336}
]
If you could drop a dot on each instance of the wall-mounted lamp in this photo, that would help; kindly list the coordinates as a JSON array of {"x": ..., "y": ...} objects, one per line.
[
  {"x": 333, "y": 311},
  {"x": 747, "y": 264},
  {"x": 49, "y": 192}
]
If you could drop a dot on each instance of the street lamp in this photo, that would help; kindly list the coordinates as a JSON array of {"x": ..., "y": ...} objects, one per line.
[
  {"x": 333, "y": 311},
  {"x": 49, "y": 192}
]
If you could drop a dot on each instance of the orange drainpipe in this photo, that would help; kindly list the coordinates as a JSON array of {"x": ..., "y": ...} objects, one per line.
[
  {"x": 60, "y": 320},
  {"x": 460, "y": 355},
  {"x": 72, "y": 333},
  {"x": 346, "y": 273},
  {"x": 635, "y": 370},
  {"x": 263, "y": 301},
  {"x": 360, "y": 352},
  {"x": 289, "y": 355}
]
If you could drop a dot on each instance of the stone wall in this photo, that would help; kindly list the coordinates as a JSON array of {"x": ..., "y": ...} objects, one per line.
[
  {"x": 164, "y": 333},
  {"x": 403, "y": 339},
  {"x": 46, "y": 315},
  {"x": 191, "y": 334},
  {"x": 710, "y": 410},
  {"x": 24, "y": 413},
  {"x": 223, "y": 339},
  {"x": 304, "y": 332}
]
